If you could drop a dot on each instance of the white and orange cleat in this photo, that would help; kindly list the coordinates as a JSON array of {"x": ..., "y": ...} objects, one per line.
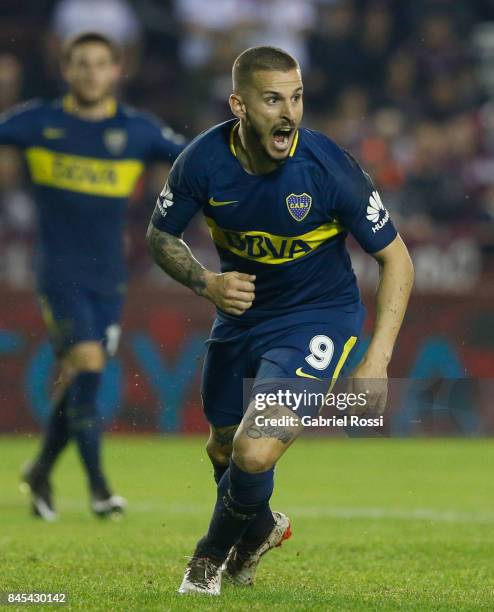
[{"x": 240, "y": 567}]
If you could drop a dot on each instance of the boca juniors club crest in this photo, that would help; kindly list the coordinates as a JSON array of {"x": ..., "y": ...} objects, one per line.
[
  {"x": 115, "y": 140},
  {"x": 299, "y": 205}
]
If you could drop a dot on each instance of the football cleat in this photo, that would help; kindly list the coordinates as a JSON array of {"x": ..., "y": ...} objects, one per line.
[
  {"x": 202, "y": 575},
  {"x": 39, "y": 487},
  {"x": 240, "y": 566},
  {"x": 104, "y": 504}
]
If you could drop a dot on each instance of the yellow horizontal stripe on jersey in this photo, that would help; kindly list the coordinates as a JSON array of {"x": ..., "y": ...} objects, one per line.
[
  {"x": 267, "y": 248},
  {"x": 99, "y": 177}
]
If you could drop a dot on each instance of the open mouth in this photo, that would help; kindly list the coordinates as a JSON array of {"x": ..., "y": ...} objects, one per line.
[{"x": 281, "y": 138}]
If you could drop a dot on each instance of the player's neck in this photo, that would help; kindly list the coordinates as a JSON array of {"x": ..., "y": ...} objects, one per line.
[
  {"x": 94, "y": 111},
  {"x": 251, "y": 155}
]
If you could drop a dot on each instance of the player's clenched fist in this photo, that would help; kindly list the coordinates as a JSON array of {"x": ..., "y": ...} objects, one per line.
[{"x": 232, "y": 292}]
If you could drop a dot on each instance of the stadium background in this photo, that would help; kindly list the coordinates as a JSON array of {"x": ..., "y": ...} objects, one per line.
[{"x": 408, "y": 88}]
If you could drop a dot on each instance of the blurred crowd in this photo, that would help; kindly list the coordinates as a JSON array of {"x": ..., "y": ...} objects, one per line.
[{"x": 406, "y": 87}]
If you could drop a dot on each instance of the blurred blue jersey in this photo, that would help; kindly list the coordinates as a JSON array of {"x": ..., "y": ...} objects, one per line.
[
  {"x": 83, "y": 173},
  {"x": 287, "y": 227}
]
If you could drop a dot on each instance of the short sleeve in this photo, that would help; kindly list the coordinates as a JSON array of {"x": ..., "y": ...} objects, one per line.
[
  {"x": 181, "y": 198},
  {"x": 18, "y": 125},
  {"x": 164, "y": 144},
  {"x": 358, "y": 206}
]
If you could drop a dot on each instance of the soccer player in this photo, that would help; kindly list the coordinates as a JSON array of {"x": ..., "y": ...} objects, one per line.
[
  {"x": 84, "y": 154},
  {"x": 279, "y": 201}
]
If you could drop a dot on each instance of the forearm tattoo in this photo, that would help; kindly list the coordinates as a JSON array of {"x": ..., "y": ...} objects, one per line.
[
  {"x": 225, "y": 435},
  {"x": 280, "y": 432},
  {"x": 174, "y": 257}
]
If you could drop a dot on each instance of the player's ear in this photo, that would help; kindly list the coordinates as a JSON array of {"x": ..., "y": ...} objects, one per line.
[{"x": 237, "y": 106}]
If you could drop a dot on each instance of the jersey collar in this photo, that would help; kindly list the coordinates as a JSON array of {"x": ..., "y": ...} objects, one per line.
[
  {"x": 68, "y": 105},
  {"x": 235, "y": 129}
]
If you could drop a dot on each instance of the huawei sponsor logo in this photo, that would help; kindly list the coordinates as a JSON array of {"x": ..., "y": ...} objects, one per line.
[
  {"x": 165, "y": 200},
  {"x": 376, "y": 213}
]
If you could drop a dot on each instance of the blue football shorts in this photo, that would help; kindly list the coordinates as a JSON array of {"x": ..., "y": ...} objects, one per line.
[
  {"x": 74, "y": 314},
  {"x": 305, "y": 350}
]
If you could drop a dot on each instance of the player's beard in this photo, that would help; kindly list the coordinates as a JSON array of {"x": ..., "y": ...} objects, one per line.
[{"x": 258, "y": 135}]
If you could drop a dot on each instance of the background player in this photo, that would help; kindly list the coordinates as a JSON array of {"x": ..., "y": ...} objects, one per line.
[
  {"x": 279, "y": 201},
  {"x": 85, "y": 154}
]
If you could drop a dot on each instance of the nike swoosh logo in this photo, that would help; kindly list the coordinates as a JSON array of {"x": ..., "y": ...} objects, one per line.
[
  {"x": 300, "y": 372},
  {"x": 213, "y": 202},
  {"x": 53, "y": 133}
]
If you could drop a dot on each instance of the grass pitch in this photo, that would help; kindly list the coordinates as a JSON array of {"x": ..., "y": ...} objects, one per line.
[{"x": 378, "y": 525}]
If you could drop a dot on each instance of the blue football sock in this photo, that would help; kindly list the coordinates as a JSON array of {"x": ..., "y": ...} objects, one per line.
[
  {"x": 85, "y": 425},
  {"x": 241, "y": 498},
  {"x": 56, "y": 437},
  {"x": 257, "y": 531}
]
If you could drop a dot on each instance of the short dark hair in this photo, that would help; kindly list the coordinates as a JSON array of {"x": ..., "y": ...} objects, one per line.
[
  {"x": 260, "y": 58},
  {"x": 89, "y": 37}
]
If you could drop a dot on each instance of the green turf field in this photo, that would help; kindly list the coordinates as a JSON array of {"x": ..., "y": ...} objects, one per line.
[{"x": 378, "y": 525}]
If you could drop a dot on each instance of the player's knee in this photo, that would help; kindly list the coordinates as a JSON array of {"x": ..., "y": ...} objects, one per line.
[
  {"x": 219, "y": 455},
  {"x": 251, "y": 459},
  {"x": 87, "y": 357},
  {"x": 252, "y": 462}
]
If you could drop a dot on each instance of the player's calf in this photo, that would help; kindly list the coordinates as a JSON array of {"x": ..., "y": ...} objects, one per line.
[
  {"x": 219, "y": 449},
  {"x": 87, "y": 359}
]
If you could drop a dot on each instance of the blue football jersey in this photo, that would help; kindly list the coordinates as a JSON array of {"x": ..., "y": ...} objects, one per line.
[
  {"x": 83, "y": 173},
  {"x": 287, "y": 227}
]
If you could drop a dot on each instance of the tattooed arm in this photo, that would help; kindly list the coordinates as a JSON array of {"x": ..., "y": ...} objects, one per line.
[
  {"x": 175, "y": 258},
  {"x": 233, "y": 292}
]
